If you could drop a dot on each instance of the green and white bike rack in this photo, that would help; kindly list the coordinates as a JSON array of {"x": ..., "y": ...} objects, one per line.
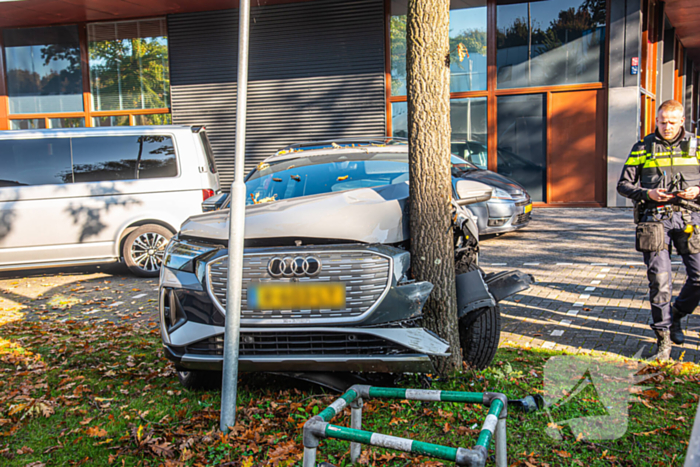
[{"x": 319, "y": 426}]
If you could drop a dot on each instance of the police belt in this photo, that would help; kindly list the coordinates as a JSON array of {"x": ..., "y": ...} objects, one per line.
[
  {"x": 665, "y": 209},
  {"x": 669, "y": 208}
]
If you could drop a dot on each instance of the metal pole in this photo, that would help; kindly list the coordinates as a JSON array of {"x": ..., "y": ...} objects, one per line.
[
  {"x": 229, "y": 388},
  {"x": 356, "y": 423},
  {"x": 501, "y": 449},
  {"x": 309, "y": 457},
  {"x": 692, "y": 457},
  {"x": 529, "y": 45}
]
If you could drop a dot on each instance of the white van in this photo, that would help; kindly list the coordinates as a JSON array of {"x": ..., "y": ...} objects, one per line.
[{"x": 94, "y": 195}]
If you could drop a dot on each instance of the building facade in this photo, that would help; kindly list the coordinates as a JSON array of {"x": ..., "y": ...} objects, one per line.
[{"x": 552, "y": 93}]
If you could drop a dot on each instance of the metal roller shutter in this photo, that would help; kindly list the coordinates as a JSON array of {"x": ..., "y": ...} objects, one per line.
[{"x": 316, "y": 71}]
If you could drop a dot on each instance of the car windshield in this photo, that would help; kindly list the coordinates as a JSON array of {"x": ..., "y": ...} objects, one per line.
[{"x": 305, "y": 176}]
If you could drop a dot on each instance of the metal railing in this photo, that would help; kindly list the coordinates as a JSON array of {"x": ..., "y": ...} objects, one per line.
[{"x": 494, "y": 427}]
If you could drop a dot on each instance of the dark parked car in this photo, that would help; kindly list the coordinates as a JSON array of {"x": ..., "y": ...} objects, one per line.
[
  {"x": 327, "y": 283},
  {"x": 510, "y": 206}
]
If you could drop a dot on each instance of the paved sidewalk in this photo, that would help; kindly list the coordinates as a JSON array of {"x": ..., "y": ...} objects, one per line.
[{"x": 591, "y": 291}]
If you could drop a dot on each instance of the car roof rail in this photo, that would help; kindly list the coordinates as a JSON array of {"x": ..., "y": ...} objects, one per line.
[{"x": 345, "y": 142}]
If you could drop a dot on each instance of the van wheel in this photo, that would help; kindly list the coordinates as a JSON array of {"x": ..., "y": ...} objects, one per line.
[
  {"x": 144, "y": 249},
  {"x": 479, "y": 333}
]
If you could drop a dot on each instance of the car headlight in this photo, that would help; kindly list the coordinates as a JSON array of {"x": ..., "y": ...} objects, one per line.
[
  {"x": 180, "y": 255},
  {"x": 499, "y": 193}
]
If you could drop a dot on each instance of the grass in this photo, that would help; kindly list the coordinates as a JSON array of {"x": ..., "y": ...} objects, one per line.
[{"x": 78, "y": 393}]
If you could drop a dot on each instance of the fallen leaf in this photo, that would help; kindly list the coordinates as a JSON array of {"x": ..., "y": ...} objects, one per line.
[
  {"x": 96, "y": 432},
  {"x": 562, "y": 453}
]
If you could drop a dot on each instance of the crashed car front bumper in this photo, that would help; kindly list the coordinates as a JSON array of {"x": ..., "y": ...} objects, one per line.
[{"x": 378, "y": 331}]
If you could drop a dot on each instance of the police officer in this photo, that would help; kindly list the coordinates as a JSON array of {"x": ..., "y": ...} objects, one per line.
[{"x": 660, "y": 169}]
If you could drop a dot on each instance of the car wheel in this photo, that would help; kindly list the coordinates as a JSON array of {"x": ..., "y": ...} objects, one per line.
[
  {"x": 199, "y": 379},
  {"x": 144, "y": 249},
  {"x": 479, "y": 333}
]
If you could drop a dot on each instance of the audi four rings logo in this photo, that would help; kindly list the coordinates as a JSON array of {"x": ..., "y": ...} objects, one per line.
[{"x": 294, "y": 267}]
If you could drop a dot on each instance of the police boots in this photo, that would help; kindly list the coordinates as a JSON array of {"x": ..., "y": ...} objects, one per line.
[
  {"x": 676, "y": 332},
  {"x": 663, "y": 343}
]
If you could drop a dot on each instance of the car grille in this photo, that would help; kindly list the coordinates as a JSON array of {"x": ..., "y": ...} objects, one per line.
[
  {"x": 300, "y": 343},
  {"x": 522, "y": 203},
  {"x": 522, "y": 218},
  {"x": 366, "y": 276}
]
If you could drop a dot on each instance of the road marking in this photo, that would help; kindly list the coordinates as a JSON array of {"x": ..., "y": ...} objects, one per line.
[
  {"x": 605, "y": 270},
  {"x": 565, "y": 322},
  {"x": 499, "y": 264},
  {"x": 548, "y": 345},
  {"x": 557, "y": 333},
  {"x": 600, "y": 276},
  {"x": 116, "y": 303},
  {"x": 531, "y": 264},
  {"x": 599, "y": 264},
  {"x": 595, "y": 282},
  {"x": 139, "y": 295},
  {"x": 584, "y": 296},
  {"x": 565, "y": 264},
  {"x": 578, "y": 304},
  {"x": 572, "y": 312},
  {"x": 634, "y": 263},
  {"x": 589, "y": 289}
]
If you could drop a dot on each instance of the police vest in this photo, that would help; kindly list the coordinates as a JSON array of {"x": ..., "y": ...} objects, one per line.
[{"x": 671, "y": 168}]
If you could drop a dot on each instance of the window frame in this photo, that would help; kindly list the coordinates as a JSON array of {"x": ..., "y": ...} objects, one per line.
[{"x": 492, "y": 92}]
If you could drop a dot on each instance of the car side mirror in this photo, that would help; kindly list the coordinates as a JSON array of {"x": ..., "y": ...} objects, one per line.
[
  {"x": 470, "y": 192},
  {"x": 214, "y": 203}
]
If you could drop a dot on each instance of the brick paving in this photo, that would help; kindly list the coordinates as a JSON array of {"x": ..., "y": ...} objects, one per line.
[{"x": 591, "y": 291}]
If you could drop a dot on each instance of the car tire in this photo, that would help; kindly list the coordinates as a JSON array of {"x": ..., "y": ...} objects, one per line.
[
  {"x": 199, "y": 379},
  {"x": 479, "y": 333},
  {"x": 144, "y": 249}
]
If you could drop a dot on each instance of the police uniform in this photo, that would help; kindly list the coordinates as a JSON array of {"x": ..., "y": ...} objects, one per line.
[{"x": 657, "y": 163}]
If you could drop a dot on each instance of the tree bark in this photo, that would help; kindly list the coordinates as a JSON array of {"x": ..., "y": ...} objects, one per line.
[{"x": 432, "y": 249}]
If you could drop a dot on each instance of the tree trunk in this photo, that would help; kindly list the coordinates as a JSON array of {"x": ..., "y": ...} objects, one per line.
[{"x": 432, "y": 249}]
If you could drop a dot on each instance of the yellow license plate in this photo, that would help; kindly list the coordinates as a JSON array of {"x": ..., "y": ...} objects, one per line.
[
  {"x": 295, "y": 296},
  {"x": 528, "y": 208}
]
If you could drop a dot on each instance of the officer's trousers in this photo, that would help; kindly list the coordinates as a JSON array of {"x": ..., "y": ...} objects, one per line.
[{"x": 660, "y": 275}]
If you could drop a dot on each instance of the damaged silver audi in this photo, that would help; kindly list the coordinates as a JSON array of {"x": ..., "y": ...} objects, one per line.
[{"x": 327, "y": 283}]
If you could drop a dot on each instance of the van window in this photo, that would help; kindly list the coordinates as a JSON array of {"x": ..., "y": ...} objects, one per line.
[
  {"x": 208, "y": 151},
  {"x": 102, "y": 158},
  {"x": 157, "y": 157},
  {"x": 35, "y": 162}
]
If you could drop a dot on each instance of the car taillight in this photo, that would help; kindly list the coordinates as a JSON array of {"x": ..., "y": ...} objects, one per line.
[{"x": 207, "y": 194}]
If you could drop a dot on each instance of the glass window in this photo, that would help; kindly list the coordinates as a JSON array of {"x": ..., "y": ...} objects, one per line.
[
  {"x": 116, "y": 158},
  {"x": 468, "y": 66},
  {"x": 550, "y": 42},
  {"x": 153, "y": 119},
  {"x": 522, "y": 141},
  {"x": 122, "y": 120},
  {"x": 157, "y": 156},
  {"x": 28, "y": 124},
  {"x": 399, "y": 119},
  {"x": 208, "y": 151},
  {"x": 67, "y": 122},
  {"x": 469, "y": 130},
  {"x": 129, "y": 65},
  {"x": 43, "y": 70},
  {"x": 44, "y": 161},
  {"x": 324, "y": 174}
]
